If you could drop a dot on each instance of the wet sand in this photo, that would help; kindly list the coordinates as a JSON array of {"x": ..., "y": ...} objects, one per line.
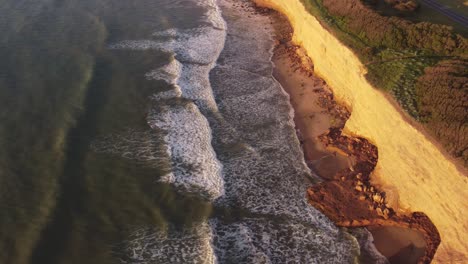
[
  {"x": 316, "y": 113},
  {"x": 310, "y": 97},
  {"x": 399, "y": 245}
]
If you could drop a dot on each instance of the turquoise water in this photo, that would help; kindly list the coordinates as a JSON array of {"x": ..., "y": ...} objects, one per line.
[{"x": 150, "y": 132}]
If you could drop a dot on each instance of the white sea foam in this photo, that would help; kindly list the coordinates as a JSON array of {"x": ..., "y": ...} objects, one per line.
[
  {"x": 196, "y": 45},
  {"x": 268, "y": 175},
  {"x": 172, "y": 245},
  {"x": 188, "y": 135},
  {"x": 169, "y": 73},
  {"x": 169, "y": 94},
  {"x": 251, "y": 128},
  {"x": 213, "y": 14},
  {"x": 266, "y": 241},
  {"x": 368, "y": 249}
]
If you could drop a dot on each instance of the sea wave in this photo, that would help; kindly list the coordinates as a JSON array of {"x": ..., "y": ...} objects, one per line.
[
  {"x": 268, "y": 241},
  {"x": 230, "y": 134},
  {"x": 188, "y": 137},
  {"x": 187, "y": 132},
  {"x": 264, "y": 170},
  {"x": 269, "y": 176},
  {"x": 170, "y": 245}
]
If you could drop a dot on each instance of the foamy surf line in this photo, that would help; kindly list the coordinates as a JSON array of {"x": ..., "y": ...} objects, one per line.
[
  {"x": 266, "y": 175},
  {"x": 251, "y": 129},
  {"x": 195, "y": 168},
  {"x": 178, "y": 113},
  {"x": 170, "y": 245}
]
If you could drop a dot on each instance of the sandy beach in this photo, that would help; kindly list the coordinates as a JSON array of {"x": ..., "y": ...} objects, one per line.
[
  {"x": 316, "y": 113},
  {"x": 399, "y": 245},
  {"x": 411, "y": 170}
]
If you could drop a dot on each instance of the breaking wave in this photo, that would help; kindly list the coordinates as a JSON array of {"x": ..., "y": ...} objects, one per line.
[
  {"x": 230, "y": 137},
  {"x": 188, "y": 137},
  {"x": 195, "y": 167},
  {"x": 263, "y": 165},
  {"x": 264, "y": 170}
]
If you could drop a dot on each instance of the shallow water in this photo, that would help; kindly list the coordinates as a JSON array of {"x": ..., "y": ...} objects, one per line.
[
  {"x": 150, "y": 132},
  {"x": 399, "y": 245}
]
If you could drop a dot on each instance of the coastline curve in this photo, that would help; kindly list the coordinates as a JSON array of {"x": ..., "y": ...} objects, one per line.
[{"x": 423, "y": 177}]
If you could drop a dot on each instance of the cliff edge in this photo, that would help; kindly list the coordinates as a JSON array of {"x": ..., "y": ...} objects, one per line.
[{"x": 409, "y": 163}]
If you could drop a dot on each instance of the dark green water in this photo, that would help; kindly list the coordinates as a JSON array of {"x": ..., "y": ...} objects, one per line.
[
  {"x": 60, "y": 89},
  {"x": 101, "y": 100}
]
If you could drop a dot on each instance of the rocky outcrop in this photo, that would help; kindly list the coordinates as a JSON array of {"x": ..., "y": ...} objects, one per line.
[{"x": 353, "y": 201}]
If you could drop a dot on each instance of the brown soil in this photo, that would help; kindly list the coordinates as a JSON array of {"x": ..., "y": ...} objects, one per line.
[
  {"x": 352, "y": 201},
  {"x": 346, "y": 163}
]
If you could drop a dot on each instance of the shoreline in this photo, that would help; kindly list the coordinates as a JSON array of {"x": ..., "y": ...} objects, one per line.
[
  {"x": 410, "y": 168},
  {"x": 343, "y": 162}
]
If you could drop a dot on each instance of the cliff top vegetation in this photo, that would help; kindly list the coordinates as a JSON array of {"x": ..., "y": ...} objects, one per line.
[{"x": 421, "y": 64}]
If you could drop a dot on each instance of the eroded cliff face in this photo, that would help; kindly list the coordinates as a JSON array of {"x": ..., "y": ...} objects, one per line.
[{"x": 409, "y": 164}]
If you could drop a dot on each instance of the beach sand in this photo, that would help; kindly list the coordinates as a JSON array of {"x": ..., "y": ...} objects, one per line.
[
  {"x": 399, "y": 245},
  {"x": 316, "y": 112}
]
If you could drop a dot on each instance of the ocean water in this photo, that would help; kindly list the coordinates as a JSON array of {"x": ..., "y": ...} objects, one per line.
[{"x": 151, "y": 132}]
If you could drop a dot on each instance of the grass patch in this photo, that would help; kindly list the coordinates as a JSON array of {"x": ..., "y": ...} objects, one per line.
[{"x": 395, "y": 51}]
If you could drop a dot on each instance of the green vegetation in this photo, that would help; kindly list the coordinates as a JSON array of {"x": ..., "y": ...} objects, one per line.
[
  {"x": 397, "y": 73},
  {"x": 398, "y": 54},
  {"x": 395, "y": 51},
  {"x": 443, "y": 95}
]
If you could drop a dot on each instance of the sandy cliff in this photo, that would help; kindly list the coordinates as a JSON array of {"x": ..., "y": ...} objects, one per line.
[{"x": 409, "y": 164}]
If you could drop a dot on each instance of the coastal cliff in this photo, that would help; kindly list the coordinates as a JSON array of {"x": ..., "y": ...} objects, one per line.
[{"x": 409, "y": 164}]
